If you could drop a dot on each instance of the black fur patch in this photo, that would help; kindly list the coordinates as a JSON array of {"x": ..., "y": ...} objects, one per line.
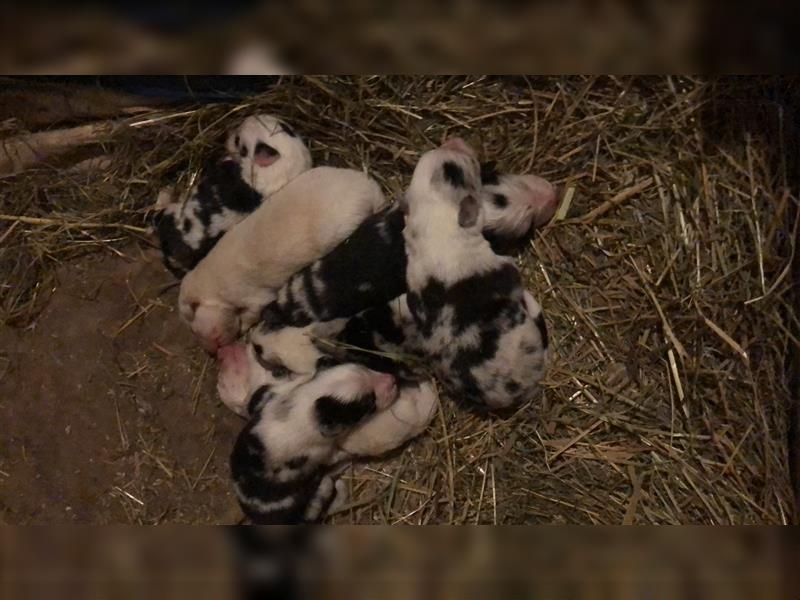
[
  {"x": 252, "y": 471},
  {"x": 273, "y": 318},
  {"x": 367, "y": 269},
  {"x": 259, "y": 398},
  {"x": 361, "y": 332},
  {"x": 489, "y": 302},
  {"x": 474, "y": 299},
  {"x": 335, "y": 416},
  {"x": 220, "y": 186},
  {"x": 326, "y": 362},
  {"x": 500, "y": 200},
  {"x": 178, "y": 256},
  {"x": 453, "y": 174}
]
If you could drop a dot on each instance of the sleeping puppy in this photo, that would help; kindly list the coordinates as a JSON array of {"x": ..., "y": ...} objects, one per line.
[
  {"x": 281, "y": 462},
  {"x": 477, "y": 326},
  {"x": 263, "y": 155},
  {"x": 282, "y": 359},
  {"x": 223, "y": 295},
  {"x": 368, "y": 268}
]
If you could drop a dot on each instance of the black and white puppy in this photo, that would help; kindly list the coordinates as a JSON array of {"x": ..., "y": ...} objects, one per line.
[
  {"x": 263, "y": 155},
  {"x": 279, "y": 360},
  {"x": 281, "y": 462},
  {"x": 478, "y": 327},
  {"x": 368, "y": 268}
]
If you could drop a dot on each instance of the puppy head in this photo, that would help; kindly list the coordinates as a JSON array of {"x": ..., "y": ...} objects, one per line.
[
  {"x": 515, "y": 204},
  {"x": 448, "y": 175},
  {"x": 282, "y": 354},
  {"x": 269, "y": 152},
  {"x": 213, "y": 321},
  {"x": 345, "y": 395}
]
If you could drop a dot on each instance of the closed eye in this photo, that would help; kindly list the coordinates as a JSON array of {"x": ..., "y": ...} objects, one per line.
[{"x": 277, "y": 370}]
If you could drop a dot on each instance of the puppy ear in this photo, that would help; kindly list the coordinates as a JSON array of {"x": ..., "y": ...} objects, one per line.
[{"x": 468, "y": 211}]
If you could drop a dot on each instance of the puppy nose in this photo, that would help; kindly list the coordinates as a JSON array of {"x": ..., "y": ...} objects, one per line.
[
  {"x": 543, "y": 198},
  {"x": 456, "y": 144}
]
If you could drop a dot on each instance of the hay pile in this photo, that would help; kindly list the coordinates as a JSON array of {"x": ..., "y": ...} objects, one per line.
[{"x": 664, "y": 281}]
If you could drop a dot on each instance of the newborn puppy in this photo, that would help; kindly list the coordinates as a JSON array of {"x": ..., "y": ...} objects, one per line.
[
  {"x": 281, "y": 460},
  {"x": 280, "y": 360},
  {"x": 368, "y": 268},
  {"x": 483, "y": 334},
  {"x": 263, "y": 156},
  {"x": 223, "y": 295}
]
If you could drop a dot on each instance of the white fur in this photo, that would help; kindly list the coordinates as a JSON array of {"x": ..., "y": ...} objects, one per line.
[
  {"x": 407, "y": 418},
  {"x": 304, "y": 220},
  {"x": 288, "y": 426},
  {"x": 531, "y": 202},
  {"x": 294, "y": 155},
  {"x": 435, "y": 243}
]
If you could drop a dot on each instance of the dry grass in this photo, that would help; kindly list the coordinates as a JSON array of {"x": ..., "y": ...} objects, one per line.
[{"x": 664, "y": 281}]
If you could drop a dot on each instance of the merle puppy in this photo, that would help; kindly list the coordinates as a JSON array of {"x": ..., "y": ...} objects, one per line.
[
  {"x": 292, "y": 356},
  {"x": 282, "y": 460},
  {"x": 263, "y": 155},
  {"x": 479, "y": 328},
  {"x": 368, "y": 268}
]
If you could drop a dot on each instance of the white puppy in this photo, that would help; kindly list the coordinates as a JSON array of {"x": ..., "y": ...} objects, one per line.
[{"x": 303, "y": 221}]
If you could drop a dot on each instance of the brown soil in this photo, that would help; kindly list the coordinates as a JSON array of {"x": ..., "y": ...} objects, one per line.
[{"x": 109, "y": 420}]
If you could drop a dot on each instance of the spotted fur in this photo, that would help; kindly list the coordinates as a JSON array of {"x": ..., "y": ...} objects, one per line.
[
  {"x": 368, "y": 268},
  {"x": 261, "y": 158},
  {"x": 477, "y": 326},
  {"x": 282, "y": 462}
]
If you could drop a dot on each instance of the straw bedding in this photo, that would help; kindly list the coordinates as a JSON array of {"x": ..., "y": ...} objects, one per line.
[{"x": 665, "y": 281}]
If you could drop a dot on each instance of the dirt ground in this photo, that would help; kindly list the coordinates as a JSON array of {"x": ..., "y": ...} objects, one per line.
[{"x": 111, "y": 422}]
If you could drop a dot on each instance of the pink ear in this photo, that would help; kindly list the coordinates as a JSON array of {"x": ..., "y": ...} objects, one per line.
[{"x": 264, "y": 161}]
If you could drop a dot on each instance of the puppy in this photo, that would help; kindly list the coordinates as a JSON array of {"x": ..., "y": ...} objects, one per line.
[
  {"x": 223, "y": 295},
  {"x": 263, "y": 155},
  {"x": 368, "y": 268},
  {"x": 280, "y": 360},
  {"x": 479, "y": 329},
  {"x": 281, "y": 462}
]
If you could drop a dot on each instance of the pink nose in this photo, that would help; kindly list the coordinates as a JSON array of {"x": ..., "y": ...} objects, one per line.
[{"x": 456, "y": 144}]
